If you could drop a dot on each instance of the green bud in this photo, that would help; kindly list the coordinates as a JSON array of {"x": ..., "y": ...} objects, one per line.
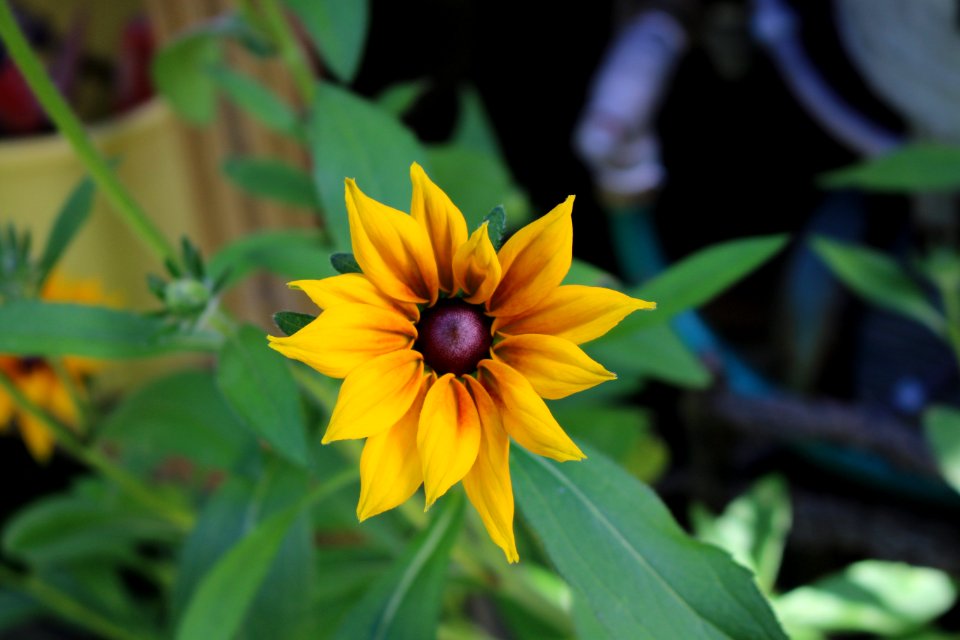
[{"x": 186, "y": 296}]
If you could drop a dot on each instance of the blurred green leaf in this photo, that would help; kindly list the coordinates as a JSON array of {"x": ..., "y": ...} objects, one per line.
[
  {"x": 290, "y": 321},
  {"x": 272, "y": 179},
  {"x": 295, "y": 255},
  {"x": 257, "y": 384},
  {"x": 913, "y": 168},
  {"x": 875, "y": 597},
  {"x": 753, "y": 528},
  {"x": 654, "y": 352},
  {"x": 350, "y": 137},
  {"x": 400, "y": 97},
  {"x": 642, "y": 576},
  {"x": 586, "y": 622},
  {"x": 942, "y": 426},
  {"x": 698, "y": 278},
  {"x": 180, "y": 74},
  {"x": 34, "y": 328},
  {"x": 16, "y": 609},
  {"x": 70, "y": 219},
  {"x": 474, "y": 130},
  {"x": 262, "y": 103},
  {"x": 476, "y": 181},
  {"x": 338, "y": 29},
  {"x": 592, "y": 276},
  {"x": 182, "y": 414},
  {"x": 404, "y": 603},
  {"x": 880, "y": 280}
]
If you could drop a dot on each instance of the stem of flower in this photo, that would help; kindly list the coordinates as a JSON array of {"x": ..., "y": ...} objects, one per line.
[
  {"x": 68, "y": 124},
  {"x": 65, "y": 606},
  {"x": 290, "y": 49},
  {"x": 127, "y": 482}
]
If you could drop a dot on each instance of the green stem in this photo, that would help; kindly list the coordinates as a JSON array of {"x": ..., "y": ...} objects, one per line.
[
  {"x": 65, "y": 606},
  {"x": 68, "y": 124},
  {"x": 127, "y": 482},
  {"x": 290, "y": 50}
]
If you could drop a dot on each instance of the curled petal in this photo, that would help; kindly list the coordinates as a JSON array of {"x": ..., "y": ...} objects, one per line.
[
  {"x": 556, "y": 368},
  {"x": 488, "y": 484},
  {"x": 535, "y": 260},
  {"x": 476, "y": 268},
  {"x": 448, "y": 437},
  {"x": 346, "y": 336},
  {"x": 390, "y": 470},
  {"x": 351, "y": 288},
  {"x": 525, "y": 416},
  {"x": 574, "y": 312},
  {"x": 444, "y": 223},
  {"x": 376, "y": 395},
  {"x": 392, "y": 248}
]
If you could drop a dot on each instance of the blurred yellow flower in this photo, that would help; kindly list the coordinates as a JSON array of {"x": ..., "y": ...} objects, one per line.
[
  {"x": 39, "y": 382},
  {"x": 447, "y": 346}
]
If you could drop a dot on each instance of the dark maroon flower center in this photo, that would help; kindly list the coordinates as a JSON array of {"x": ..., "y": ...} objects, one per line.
[{"x": 453, "y": 336}]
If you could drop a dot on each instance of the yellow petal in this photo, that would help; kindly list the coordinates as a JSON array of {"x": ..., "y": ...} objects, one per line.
[
  {"x": 346, "y": 336},
  {"x": 488, "y": 484},
  {"x": 392, "y": 248},
  {"x": 351, "y": 288},
  {"x": 38, "y": 438},
  {"x": 476, "y": 268},
  {"x": 525, "y": 416},
  {"x": 556, "y": 368},
  {"x": 375, "y": 396},
  {"x": 445, "y": 226},
  {"x": 535, "y": 260},
  {"x": 574, "y": 312},
  {"x": 390, "y": 470},
  {"x": 448, "y": 437}
]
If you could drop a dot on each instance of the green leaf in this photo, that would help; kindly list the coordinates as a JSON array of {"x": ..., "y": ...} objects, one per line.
[
  {"x": 654, "y": 352},
  {"x": 290, "y": 321},
  {"x": 73, "y": 214},
  {"x": 642, "y": 576},
  {"x": 474, "y": 130},
  {"x": 179, "y": 415},
  {"x": 295, "y": 255},
  {"x": 872, "y": 597},
  {"x": 350, "y": 137},
  {"x": 913, "y": 168},
  {"x": 232, "y": 512},
  {"x": 256, "y": 382},
  {"x": 942, "y": 426},
  {"x": 880, "y": 280},
  {"x": 400, "y": 97},
  {"x": 272, "y": 179},
  {"x": 496, "y": 225},
  {"x": 697, "y": 279},
  {"x": 345, "y": 263},
  {"x": 16, "y": 609},
  {"x": 753, "y": 528},
  {"x": 476, "y": 181},
  {"x": 180, "y": 74},
  {"x": 34, "y": 328},
  {"x": 262, "y": 103},
  {"x": 338, "y": 29},
  {"x": 404, "y": 603}
]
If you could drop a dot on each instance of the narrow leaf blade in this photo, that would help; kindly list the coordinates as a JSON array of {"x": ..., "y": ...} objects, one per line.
[
  {"x": 338, "y": 29},
  {"x": 73, "y": 214},
  {"x": 912, "y": 168},
  {"x": 272, "y": 179}
]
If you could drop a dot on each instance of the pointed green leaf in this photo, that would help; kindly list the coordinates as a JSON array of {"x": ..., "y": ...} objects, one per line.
[
  {"x": 262, "y": 103},
  {"x": 351, "y": 138},
  {"x": 654, "y": 352},
  {"x": 273, "y": 179},
  {"x": 642, "y": 576},
  {"x": 942, "y": 426},
  {"x": 73, "y": 214},
  {"x": 180, "y": 75},
  {"x": 496, "y": 225},
  {"x": 404, "y": 604},
  {"x": 700, "y": 277},
  {"x": 338, "y": 29},
  {"x": 290, "y": 321},
  {"x": 880, "y": 280},
  {"x": 345, "y": 263},
  {"x": 257, "y": 384},
  {"x": 474, "y": 130},
  {"x": 34, "y": 328},
  {"x": 400, "y": 97},
  {"x": 295, "y": 255},
  {"x": 913, "y": 168}
]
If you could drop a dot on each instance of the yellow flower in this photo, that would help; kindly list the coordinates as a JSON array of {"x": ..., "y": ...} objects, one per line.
[
  {"x": 38, "y": 381},
  {"x": 446, "y": 348}
]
